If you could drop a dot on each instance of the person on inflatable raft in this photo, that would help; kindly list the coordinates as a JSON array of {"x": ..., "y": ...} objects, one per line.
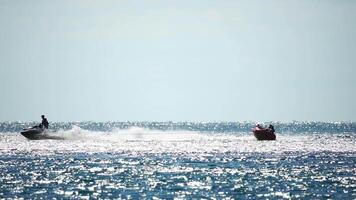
[{"x": 264, "y": 133}]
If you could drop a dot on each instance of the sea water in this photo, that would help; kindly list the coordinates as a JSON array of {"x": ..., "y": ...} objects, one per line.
[{"x": 179, "y": 160}]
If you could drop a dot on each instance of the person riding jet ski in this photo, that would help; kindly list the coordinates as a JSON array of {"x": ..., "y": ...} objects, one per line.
[
  {"x": 44, "y": 122},
  {"x": 40, "y": 132}
]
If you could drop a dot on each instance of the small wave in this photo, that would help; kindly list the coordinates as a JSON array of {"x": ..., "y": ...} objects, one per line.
[{"x": 142, "y": 140}]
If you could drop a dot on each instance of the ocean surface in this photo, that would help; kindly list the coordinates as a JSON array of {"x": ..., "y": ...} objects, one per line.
[{"x": 179, "y": 160}]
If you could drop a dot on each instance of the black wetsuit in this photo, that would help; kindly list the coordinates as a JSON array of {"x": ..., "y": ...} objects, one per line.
[
  {"x": 271, "y": 128},
  {"x": 45, "y": 123}
]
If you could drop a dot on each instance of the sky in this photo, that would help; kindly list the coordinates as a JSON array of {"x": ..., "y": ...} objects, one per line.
[{"x": 227, "y": 60}]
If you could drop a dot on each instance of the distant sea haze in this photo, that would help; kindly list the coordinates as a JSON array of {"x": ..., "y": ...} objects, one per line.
[{"x": 213, "y": 127}]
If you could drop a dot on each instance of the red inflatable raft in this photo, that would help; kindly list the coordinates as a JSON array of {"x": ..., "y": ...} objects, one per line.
[{"x": 263, "y": 134}]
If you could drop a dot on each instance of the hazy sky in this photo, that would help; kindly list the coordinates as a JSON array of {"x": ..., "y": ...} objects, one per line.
[{"x": 178, "y": 60}]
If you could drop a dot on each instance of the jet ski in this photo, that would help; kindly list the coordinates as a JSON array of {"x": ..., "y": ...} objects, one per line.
[
  {"x": 38, "y": 133},
  {"x": 263, "y": 133}
]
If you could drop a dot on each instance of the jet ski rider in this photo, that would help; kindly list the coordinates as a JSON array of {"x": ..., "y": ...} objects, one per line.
[{"x": 44, "y": 122}]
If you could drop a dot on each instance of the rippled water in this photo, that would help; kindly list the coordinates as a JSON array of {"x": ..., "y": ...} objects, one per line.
[{"x": 179, "y": 160}]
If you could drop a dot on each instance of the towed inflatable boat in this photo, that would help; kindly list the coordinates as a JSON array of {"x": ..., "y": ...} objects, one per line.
[
  {"x": 38, "y": 133},
  {"x": 263, "y": 134}
]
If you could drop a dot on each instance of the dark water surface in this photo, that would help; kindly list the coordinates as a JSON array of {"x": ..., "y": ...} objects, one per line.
[{"x": 179, "y": 160}]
